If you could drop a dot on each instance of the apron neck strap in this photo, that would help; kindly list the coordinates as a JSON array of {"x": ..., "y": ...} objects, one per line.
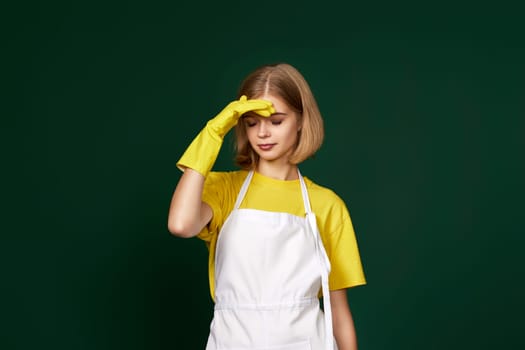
[
  {"x": 304, "y": 191},
  {"x": 243, "y": 190}
]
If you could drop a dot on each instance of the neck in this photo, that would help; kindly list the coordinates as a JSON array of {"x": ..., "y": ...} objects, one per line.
[{"x": 278, "y": 171}]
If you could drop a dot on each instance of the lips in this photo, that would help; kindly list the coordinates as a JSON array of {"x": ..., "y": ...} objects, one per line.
[{"x": 266, "y": 146}]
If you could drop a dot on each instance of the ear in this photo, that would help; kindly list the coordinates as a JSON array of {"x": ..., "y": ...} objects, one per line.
[{"x": 300, "y": 122}]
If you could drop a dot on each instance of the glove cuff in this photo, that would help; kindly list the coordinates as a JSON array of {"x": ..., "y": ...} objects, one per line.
[{"x": 202, "y": 153}]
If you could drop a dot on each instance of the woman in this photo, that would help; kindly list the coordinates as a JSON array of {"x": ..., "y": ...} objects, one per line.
[{"x": 270, "y": 255}]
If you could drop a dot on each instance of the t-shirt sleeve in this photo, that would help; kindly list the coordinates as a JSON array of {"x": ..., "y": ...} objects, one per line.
[
  {"x": 342, "y": 249},
  {"x": 218, "y": 193}
]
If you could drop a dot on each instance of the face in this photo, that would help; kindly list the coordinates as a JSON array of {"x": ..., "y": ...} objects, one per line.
[{"x": 273, "y": 138}]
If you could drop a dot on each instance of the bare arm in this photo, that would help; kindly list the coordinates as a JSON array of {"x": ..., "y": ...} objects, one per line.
[
  {"x": 343, "y": 323},
  {"x": 188, "y": 214}
]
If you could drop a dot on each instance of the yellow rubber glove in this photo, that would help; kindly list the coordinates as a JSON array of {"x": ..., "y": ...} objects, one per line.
[{"x": 204, "y": 149}]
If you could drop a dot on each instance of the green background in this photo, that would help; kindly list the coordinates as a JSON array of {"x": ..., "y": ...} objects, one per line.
[{"x": 424, "y": 105}]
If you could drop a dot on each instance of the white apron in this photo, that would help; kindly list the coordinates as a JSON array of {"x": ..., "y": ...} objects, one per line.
[{"x": 269, "y": 267}]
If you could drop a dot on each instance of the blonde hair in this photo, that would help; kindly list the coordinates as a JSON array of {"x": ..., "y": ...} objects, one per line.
[{"x": 286, "y": 82}]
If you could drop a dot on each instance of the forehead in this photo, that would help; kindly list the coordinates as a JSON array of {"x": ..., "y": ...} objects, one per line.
[{"x": 278, "y": 103}]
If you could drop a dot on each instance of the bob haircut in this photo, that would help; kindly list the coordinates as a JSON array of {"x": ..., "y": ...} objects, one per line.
[{"x": 286, "y": 82}]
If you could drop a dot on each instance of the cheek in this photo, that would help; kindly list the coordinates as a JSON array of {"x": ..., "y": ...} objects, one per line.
[
  {"x": 251, "y": 134},
  {"x": 292, "y": 135}
]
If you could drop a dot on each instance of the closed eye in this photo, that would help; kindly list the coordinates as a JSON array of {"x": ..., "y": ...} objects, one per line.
[{"x": 250, "y": 122}]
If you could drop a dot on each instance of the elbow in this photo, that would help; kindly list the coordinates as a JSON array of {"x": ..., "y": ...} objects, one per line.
[{"x": 181, "y": 229}]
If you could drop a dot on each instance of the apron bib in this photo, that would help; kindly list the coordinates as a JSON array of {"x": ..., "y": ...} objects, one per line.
[{"x": 269, "y": 267}]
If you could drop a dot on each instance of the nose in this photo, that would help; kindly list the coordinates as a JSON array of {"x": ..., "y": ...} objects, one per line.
[{"x": 263, "y": 130}]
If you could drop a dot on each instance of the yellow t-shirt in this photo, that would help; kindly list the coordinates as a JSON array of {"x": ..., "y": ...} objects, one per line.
[{"x": 264, "y": 193}]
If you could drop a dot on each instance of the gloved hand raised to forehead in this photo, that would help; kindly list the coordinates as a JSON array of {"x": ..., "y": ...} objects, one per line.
[
  {"x": 229, "y": 116},
  {"x": 203, "y": 151}
]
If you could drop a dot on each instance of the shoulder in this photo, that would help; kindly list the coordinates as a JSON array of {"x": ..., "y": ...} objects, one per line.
[
  {"x": 322, "y": 194},
  {"x": 220, "y": 192},
  {"x": 330, "y": 209},
  {"x": 225, "y": 178},
  {"x": 221, "y": 188}
]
